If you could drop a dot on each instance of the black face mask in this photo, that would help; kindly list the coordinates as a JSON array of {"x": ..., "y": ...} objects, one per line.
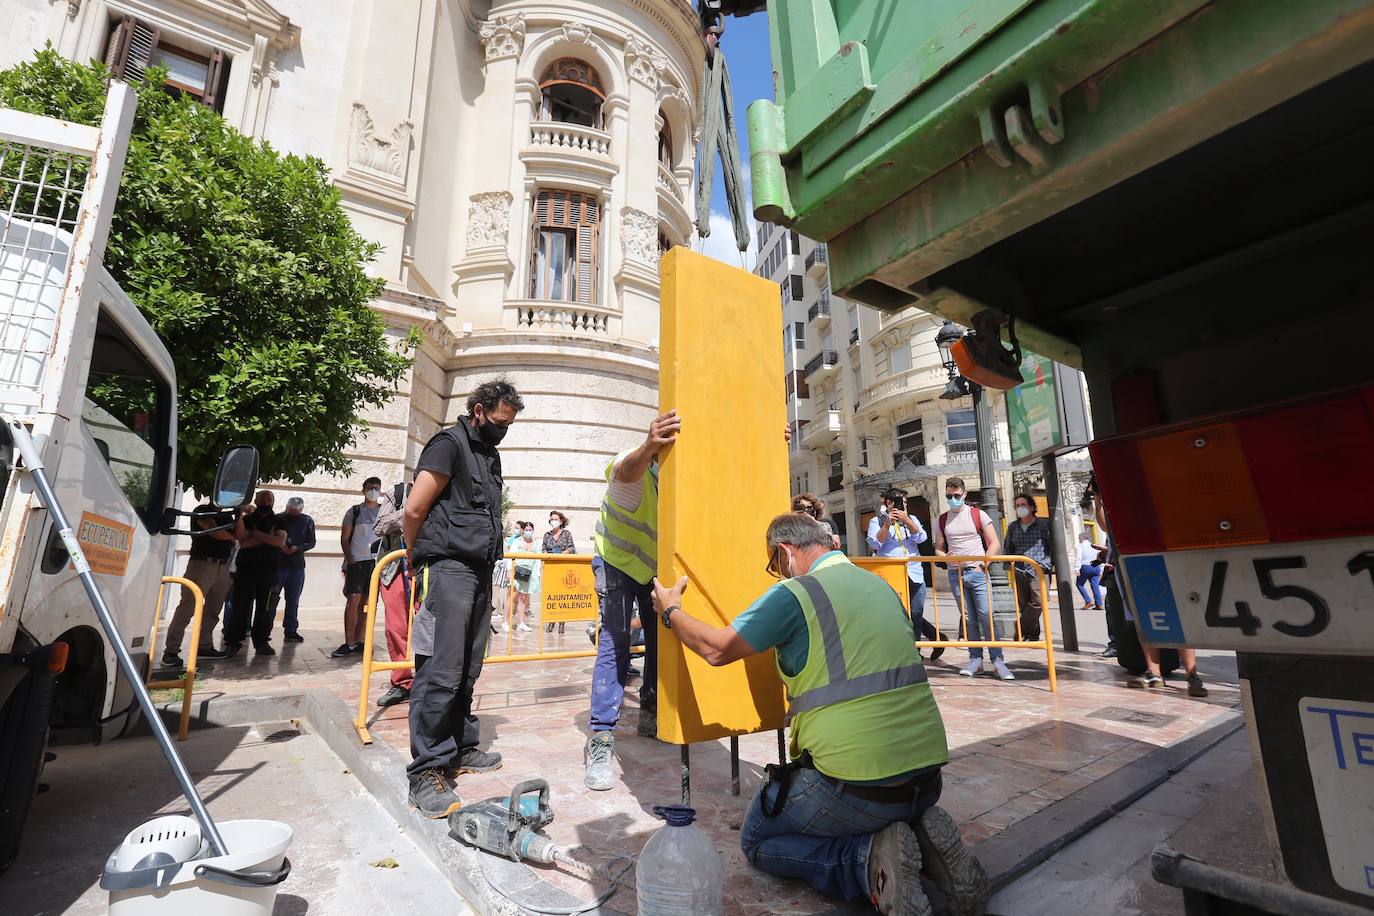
[{"x": 489, "y": 432}]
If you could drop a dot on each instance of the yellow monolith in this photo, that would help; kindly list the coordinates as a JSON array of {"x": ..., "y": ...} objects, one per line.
[{"x": 720, "y": 484}]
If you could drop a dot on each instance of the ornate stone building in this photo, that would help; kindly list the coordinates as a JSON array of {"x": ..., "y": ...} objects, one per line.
[{"x": 522, "y": 163}]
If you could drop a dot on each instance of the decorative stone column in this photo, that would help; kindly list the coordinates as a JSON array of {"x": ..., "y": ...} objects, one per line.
[{"x": 637, "y": 276}]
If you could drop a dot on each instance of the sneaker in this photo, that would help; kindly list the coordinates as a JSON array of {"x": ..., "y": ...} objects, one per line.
[
  {"x": 393, "y": 696},
  {"x": 974, "y": 666},
  {"x": 479, "y": 761},
  {"x": 293, "y": 637},
  {"x": 232, "y": 648},
  {"x": 210, "y": 652},
  {"x": 1195, "y": 687},
  {"x": 1109, "y": 652},
  {"x": 894, "y": 872},
  {"x": 1002, "y": 671},
  {"x": 950, "y": 866},
  {"x": 522, "y": 628},
  {"x": 346, "y": 649},
  {"x": 264, "y": 649},
  {"x": 1097, "y": 607},
  {"x": 172, "y": 660},
  {"x": 591, "y": 633},
  {"x": 600, "y": 759},
  {"x": 1148, "y": 679},
  {"x": 431, "y": 793},
  {"x": 648, "y": 723}
]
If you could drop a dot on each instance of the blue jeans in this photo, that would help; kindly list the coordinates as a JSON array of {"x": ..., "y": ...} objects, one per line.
[
  {"x": 975, "y": 587},
  {"x": 290, "y": 580},
  {"x": 1093, "y": 576},
  {"x": 623, "y": 596},
  {"x": 823, "y": 835},
  {"x": 916, "y": 594}
]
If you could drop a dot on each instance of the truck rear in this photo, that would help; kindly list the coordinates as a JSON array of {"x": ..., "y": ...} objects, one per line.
[
  {"x": 1176, "y": 197},
  {"x": 83, "y": 371}
]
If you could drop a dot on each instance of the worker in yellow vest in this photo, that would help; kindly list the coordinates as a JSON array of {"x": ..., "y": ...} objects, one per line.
[
  {"x": 626, "y": 540},
  {"x": 854, "y": 814}
]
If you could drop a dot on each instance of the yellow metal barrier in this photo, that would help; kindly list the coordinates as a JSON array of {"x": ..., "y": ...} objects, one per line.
[
  {"x": 893, "y": 569},
  {"x": 187, "y": 680},
  {"x": 569, "y": 595}
]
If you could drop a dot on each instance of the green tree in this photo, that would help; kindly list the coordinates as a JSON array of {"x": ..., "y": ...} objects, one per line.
[{"x": 246, "y": 265}]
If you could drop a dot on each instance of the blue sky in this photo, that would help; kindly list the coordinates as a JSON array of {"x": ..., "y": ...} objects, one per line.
[{"x": 751, "y": 73}]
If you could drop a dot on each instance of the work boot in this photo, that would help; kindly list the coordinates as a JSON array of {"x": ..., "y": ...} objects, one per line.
[
  {"x": 393, "y": 696},
  {"x": 950, "y": 866},
  {"x": 894, "y": 873},
  {"x": 648, "y": 723},
  {"x": 479, "y": 761},
  {"x": 431, "y": 793},
  {"x": 600, "y": 760}
]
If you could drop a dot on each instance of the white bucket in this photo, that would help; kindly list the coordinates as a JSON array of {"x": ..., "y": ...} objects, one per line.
[{"x": 242, "y": 883}]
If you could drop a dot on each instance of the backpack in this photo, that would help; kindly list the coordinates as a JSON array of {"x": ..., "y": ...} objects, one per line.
[{"x": 978, "y": 525}]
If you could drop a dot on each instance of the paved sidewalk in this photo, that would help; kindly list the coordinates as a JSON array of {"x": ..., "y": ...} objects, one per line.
[{"x": 1016, "y": 747}]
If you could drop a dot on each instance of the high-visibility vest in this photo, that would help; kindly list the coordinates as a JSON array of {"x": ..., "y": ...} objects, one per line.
[
  {"x": 861, "y": 705},
  {"x": 629, "y": 540}
]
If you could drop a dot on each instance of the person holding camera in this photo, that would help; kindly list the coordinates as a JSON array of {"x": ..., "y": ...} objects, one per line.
[{"x": 894, "y": 533}]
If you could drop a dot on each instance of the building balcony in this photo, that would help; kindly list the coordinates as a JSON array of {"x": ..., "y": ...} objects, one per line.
[
  {"x": 672, "y": 204},
  {"x": 555, "y": 148},
  {"x": 822, "y": 429},
  {"x": 817, "y": 261},
  {"x": 910, "y": 385},
  {"x": 819, "y": 313},
  {"x": 821, "y": 366},
  {"x": 854, "y": 337},
  {"x": 561, "y": 318},
  {"x": 834, "y": 483},
  {"x": 967, "y": 450}
]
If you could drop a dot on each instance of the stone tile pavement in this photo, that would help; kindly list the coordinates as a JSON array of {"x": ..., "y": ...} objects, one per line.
[{"x": 1016, "y": 748}]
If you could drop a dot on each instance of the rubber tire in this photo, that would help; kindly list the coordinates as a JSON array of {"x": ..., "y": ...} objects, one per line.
[{"x": 23, "y": 743}]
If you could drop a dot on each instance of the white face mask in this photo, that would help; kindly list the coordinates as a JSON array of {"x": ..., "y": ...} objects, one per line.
[
  {"x": 374, "y": 494},
  {"x": 1022, "y": 512},
  {"x": 555, "y": 524},
  {"x": 882, "y": 509},
  {"x": 529, "y": 535}
]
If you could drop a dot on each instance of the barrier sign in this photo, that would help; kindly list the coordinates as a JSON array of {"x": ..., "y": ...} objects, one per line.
[
  {"x": 105, "y": 542},
  {"x": 569, "y": 592},
  {"x": 1340, "y": 755}
]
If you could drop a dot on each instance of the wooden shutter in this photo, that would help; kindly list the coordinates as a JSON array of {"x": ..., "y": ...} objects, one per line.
[
  {"x": 216, "y": 79},
  {"x": 586, "y": 264},
  {"x": 117, "y": 51},
  {"x": 142, "y": 45}
]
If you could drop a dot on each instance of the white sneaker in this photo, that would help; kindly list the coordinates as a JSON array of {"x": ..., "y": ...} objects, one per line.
[
  {"x": 1002, "y": 671},
  {"x": 523, "y": 628},
  {"x": 974, "y": 666}
]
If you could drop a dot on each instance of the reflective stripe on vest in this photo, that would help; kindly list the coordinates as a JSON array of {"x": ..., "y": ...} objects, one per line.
[
  {"x": 629, "y": 540},
  {"x": 841, "y": 686}
]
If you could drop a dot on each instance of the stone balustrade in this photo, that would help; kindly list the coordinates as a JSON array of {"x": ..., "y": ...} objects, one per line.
[
  {"x": 564, "y": 317},
  {"x": 571, "y": 137}
]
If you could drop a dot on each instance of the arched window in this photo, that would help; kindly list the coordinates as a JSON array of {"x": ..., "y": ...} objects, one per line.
[
  {"x": 563, "y": 250},
  {"x": 571, "y": 92},
  {"x": 665, "y": 144}
]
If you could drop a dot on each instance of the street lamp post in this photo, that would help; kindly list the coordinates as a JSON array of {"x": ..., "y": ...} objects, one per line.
[{"x": 958, "y": 387}]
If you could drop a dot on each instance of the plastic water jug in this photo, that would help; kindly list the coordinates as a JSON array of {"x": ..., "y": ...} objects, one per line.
[{"x": 679, "y": 872}]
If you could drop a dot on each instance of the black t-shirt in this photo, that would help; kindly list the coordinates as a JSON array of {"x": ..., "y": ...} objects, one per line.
[
  {"x": 263, "y": 521},
  {"x": 465, "y": 521},
  {"x": 207, "y": 546}
]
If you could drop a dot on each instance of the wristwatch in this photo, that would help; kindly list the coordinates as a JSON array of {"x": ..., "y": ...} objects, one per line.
[{"x": 667, "y": 615}]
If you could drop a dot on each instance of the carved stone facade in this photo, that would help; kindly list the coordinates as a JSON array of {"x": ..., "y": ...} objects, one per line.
[
  {"x": 371, "y": 150},
  {"x": 443, "y": 132},
  {"x": 489, "y": 219},
  {"x": 503, "y": 36}
]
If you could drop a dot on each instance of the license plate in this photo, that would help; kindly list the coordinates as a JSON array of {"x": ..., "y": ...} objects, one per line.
[{"x": 1307, "y": 598}]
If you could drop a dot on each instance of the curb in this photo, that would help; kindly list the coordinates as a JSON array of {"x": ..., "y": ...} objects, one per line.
[
  {"x": 1029, "y": 842},
  {"x": 381, "y": 771}
]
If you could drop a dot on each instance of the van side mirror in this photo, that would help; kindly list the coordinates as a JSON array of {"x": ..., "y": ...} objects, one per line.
[{"x": 237, "y": 477}]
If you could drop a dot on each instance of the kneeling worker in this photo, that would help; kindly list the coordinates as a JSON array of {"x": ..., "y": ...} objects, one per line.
[{"x": 854, "y": 815}]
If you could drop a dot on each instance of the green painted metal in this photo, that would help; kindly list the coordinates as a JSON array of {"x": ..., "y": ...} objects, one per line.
[
  {"x": 935, "y": 65},
  {"x": 1218, "y": 68}
]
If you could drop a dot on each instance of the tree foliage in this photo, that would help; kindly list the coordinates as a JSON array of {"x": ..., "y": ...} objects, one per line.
[{"x": 246, "y": 265}]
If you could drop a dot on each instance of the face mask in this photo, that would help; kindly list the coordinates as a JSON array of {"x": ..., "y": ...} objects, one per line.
[
  {"x": 491, "y": 433},
  {"x": 1022, "y": 512},
  {"x": 555, "y": 524},
  {"x": 529, "y": 535},
  {"x": 955, "y": 502},
  {"x": 374, "y": 494},
  {"x": 882, "y": 510}
]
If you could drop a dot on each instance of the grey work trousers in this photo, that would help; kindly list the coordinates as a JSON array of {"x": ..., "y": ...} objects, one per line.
[
  {"x": 442, "y": 726},
  {"x": 213, "y": 578}
]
